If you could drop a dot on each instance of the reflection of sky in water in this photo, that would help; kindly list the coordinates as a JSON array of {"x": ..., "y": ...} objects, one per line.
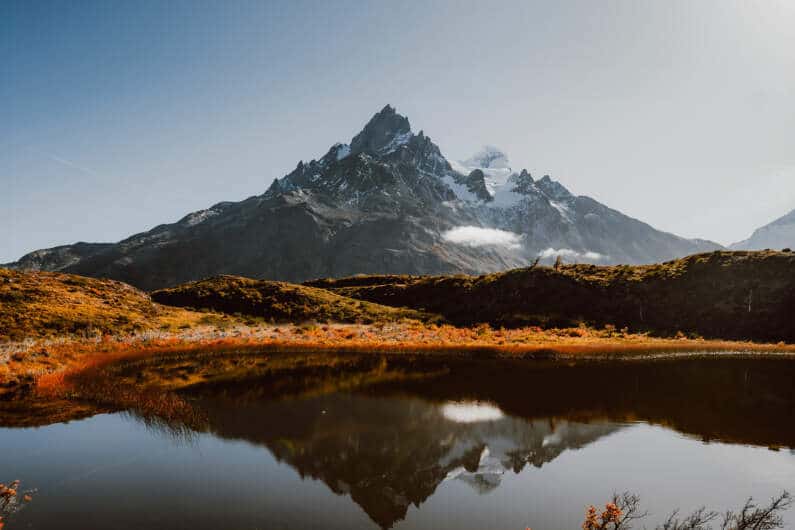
[
  {"x": 470, "y": 412},
  {"x": 111, "y": 472},
  {"x": 666, "y": 469}
]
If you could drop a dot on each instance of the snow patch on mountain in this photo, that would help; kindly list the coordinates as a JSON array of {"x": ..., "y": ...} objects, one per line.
[
  {"x": 461, "y": 191},
  {"x": 458, "y": 167},
  {"x": 494, "y": 164},
  {"x": 396, "y": 143},
  {"x": 476, "y": 236},
  {"x": 505, "y": 197},
  {"x": 563, "y": 209}
]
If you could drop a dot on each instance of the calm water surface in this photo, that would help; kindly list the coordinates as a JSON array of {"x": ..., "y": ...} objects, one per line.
[{"x": 483, "y": 446}]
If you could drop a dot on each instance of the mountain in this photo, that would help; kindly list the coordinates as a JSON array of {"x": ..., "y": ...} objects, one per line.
[
  {"x": 387, "y": 202},
  {"x": 777, "y": 235}
]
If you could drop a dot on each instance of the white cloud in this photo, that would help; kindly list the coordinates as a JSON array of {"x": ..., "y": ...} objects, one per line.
[
  {"x": 567, "y": 253},
  {"x": 475, "y": 236}
]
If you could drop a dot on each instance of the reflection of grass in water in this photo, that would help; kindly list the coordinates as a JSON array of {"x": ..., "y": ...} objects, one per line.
[
  {"x": 730, "y": 400},
  {"x": 153, "y": 406},
  {"x": 148, "y": 387},
  {"x": 145, "y": 381},
  {"x": 178, "y": 432}
]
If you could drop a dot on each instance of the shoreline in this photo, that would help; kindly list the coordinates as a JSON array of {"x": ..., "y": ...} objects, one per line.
[
  {"x": 56, "y": 380},
  {"x": 25, "y": 365}
]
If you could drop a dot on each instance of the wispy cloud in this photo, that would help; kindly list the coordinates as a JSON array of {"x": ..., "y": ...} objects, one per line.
[
  {"x": 568, "y": 253},
  {"x": 66, "y": 162},
  {"x": 476, "y": 236}
]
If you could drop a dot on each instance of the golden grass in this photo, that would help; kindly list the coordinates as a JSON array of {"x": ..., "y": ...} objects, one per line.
[
  {"x": 278, "y": 301},
  {"x": 72, "y": 357},
  {"x": 47, "y": 304},
  {"x": 140, "y": 373}
]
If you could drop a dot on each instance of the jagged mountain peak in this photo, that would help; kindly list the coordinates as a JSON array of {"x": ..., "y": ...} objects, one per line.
[
  {"x": 522, "y": 182},
  {"x": 476, "y": 184},
  {"x": 385, "y": 163},
  {"x": 385, "y": 131},
  {"x": 553, "y": 188}
]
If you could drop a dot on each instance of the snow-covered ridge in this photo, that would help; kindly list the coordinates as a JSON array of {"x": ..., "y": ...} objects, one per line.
[{"x": 506, "y": 187}]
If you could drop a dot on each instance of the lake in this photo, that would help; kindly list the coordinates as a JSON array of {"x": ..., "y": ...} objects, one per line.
[{"x": 468, "y": 445}]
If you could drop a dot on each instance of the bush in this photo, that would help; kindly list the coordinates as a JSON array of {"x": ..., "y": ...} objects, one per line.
[{"x": 624, "y": 509}]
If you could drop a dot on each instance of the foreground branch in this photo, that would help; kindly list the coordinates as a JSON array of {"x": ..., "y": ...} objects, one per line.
[{"x": 624, "y": 509}]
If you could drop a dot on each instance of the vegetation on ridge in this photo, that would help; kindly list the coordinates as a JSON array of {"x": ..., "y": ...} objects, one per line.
[
  {"x": 732, "y": 295},
  {"x": 278, "y": 301},
  {"x": 50, "y": 304}
]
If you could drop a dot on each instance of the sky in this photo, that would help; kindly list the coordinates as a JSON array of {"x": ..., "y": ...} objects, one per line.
[{"x": 117, "y": 116}]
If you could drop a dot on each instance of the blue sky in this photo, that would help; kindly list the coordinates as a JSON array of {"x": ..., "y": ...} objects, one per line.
[{"x": 118, "y": 116}]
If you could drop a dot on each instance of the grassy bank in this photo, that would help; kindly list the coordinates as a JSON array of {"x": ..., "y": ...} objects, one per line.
[
  {"x": 36, "y": 305},
  {"x": 45, "y": 362},
  {"x": 145, "y": 374}
]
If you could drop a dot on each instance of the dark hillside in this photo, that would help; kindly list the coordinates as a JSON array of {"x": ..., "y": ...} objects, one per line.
[{"x": 742, "y": 295}]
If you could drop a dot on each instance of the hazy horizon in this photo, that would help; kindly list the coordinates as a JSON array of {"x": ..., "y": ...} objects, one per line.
[{"x": 124, "y": 117}]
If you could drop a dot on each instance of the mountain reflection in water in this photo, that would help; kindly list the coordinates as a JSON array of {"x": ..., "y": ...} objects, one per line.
[
  {"x": 390, "y": 445},
  {"x": 387, "y": 452}
]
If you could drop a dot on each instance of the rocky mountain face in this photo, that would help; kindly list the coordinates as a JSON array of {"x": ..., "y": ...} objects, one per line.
[
  {"x": 58, "y": 258},
  {"x": 777, "y": 235},
  {"x": 387, "y": 202}
]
